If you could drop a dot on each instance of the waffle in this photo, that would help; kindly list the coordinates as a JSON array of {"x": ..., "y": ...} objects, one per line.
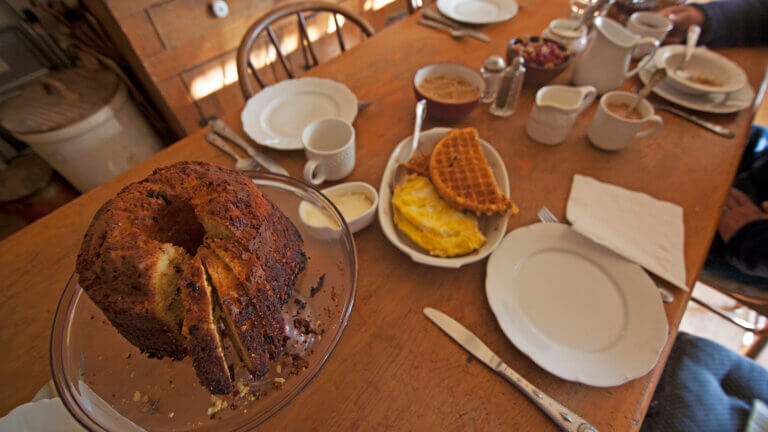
[
  {"x": 462, "y": 176},
  {"x": 419, "y": 164}
]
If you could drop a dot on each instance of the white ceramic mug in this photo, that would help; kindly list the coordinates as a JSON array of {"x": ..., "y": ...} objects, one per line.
[
  {"x": 648, "y": 24},
  {"x": 609, "y": 131},
  {"x": 329, "y": 145}
]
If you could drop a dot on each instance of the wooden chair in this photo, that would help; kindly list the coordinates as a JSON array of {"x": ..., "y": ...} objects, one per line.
[
  {"x": 246, "y": 69},
  {"x": 750, "y": 297}
]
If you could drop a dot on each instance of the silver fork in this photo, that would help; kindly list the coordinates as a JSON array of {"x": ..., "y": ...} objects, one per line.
[{"x": 546, "y": 216}]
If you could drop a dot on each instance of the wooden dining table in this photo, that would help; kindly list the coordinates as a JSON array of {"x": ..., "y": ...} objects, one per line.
[{"x": 393, "y": 369}]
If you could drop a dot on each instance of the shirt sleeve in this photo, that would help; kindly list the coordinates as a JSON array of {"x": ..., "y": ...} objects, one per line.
[
  {"x": 734, "y": 23},
  {"x": 748, "y": 249}
]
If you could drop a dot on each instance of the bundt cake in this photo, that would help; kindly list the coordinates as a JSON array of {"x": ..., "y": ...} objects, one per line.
[{"x": 192, "y": 242}]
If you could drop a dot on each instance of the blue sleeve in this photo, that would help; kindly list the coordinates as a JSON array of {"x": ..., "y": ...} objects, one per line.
[
  {"x": 734, "y": 23},
  {"x": 748, "y": 249}
]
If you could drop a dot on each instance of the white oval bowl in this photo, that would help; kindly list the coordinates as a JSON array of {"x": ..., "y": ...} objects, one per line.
[
  {"x": 493, "y": 227},
  {"x": 704, "y": 62},
  {"x": 354, "y": 225}
]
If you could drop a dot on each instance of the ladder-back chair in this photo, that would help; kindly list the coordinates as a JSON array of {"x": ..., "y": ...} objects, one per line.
[{"x": 245, "y": 67}]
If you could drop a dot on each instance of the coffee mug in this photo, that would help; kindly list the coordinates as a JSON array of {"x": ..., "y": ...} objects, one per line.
[
  {"x": 329, "y": 145},
  {"x": 648, "y": 24},
  {"x": 609, "y": 131}
]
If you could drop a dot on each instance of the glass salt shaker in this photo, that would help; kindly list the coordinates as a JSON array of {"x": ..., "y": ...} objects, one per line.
[
  {"x": 492, "y": 70},
  {"x": 505, "y": 103}
]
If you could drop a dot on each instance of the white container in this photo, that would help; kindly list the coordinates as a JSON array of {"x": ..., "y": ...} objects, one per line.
[
  {"x": 95, "y": 149},
  {"x": 611, "y": 132},
  {"x": 555, "y": 110},
  {"x": 568, "y": 32},
  {"x": 606, "y": 60},
  {"x": 648, "y": 24}
]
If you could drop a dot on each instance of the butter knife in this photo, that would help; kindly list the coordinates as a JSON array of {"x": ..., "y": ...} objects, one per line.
[
  {"x": 265, "y": 161},
  {"x": 436, "y": 16},
  {"x": 713, "y": 127},
  {"x": 562, "y": 416}
]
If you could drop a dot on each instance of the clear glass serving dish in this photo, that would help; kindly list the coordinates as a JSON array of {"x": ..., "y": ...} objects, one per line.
[{"x": 107, "y": 384}]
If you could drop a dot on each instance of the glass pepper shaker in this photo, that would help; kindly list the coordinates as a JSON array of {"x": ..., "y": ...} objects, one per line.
[
  {"x": 492, "y": 70},
  {"x": 505, "y": 103}
]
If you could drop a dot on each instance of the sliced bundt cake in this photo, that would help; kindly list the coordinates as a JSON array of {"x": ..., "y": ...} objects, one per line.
[
  {"x": 201, "y": 331},
  {"x": 213, "y": 226}
]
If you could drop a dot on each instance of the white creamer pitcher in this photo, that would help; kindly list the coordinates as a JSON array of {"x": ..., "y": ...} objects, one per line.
[
  {"x": 555, "y": 112},
  {"x": 605, "y": 62}
]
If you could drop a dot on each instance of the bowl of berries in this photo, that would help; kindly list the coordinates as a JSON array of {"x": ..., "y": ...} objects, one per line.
[{"x": 544, "y": 59}]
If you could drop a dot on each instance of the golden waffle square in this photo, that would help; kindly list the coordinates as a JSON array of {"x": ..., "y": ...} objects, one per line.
[
  {"x": 419, "y": 164},
  {"x": 462, "y": 176}
]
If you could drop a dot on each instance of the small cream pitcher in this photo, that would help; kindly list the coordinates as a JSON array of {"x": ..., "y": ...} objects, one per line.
[
  {"x": 555, "y": 112},
  {"x": 605, "y": 62}
]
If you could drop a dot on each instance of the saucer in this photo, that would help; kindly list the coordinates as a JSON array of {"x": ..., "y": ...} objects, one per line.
[{"x": 276, "y": 116}]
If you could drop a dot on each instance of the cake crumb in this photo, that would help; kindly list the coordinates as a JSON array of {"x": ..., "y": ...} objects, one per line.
[
  {"x": 280, "y": 380},
  {"x": 279, "y": 368},
  {"x": 218, "y": 404},
  {"x": 315, "y": 289},
  {"x": 136, "y": 396},
  {"x": 170, "y": 415}
]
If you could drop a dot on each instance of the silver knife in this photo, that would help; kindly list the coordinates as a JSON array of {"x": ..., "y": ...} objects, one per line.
[
  {"x": 266, "y": 162},
  {"x": 716, "y": 128},
  {"x": 562, "y": 416},
  {"x": 436, "y": 16}
]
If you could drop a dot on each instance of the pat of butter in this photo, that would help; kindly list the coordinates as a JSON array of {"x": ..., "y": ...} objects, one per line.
[{"x": 351, "y": 206}]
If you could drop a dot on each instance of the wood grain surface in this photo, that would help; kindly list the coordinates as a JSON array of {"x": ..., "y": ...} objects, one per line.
[{"x": 393, "y": 369}]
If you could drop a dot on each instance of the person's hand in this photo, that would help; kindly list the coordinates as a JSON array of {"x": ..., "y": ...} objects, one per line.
[
  {"x": 738, "y": 211},
  {"x": 682, "y": 17}
]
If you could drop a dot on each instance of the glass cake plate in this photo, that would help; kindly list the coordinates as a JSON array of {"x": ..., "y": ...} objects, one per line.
[{"x": 107, "y": 384}]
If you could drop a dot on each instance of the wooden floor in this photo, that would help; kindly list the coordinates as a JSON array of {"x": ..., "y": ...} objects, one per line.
[{"x": 701, "y": 322}]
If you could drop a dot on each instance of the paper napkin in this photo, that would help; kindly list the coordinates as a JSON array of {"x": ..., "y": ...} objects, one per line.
[{"x": 635, "y": 225}]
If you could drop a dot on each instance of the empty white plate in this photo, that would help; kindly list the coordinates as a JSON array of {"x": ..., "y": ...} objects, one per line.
[
  {"x": 478, "y": 11},
  {"x": 577, "y": 309},
  {"x": 276, "y": 116}
]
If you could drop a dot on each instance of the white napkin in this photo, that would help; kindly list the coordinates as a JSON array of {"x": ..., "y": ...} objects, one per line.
[
  {"x": 633, "y": 224},
  {"x": 42, "y": 414}
]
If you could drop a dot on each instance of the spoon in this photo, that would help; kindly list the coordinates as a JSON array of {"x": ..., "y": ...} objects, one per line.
[
  {"x": 694, "y": 32},
  {"x": 241, "y": 163},
  {"x": 455, "y": 33},
  {"x": 589, "y": 13},
  {"x": 656, "y": 78},
  {"x": 407, "y": 151}
]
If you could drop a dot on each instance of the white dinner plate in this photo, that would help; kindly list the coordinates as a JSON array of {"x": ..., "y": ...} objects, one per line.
[
  {"x": 493, "y": 227},
  {"x": 715, "y": 103},
  {"x": 276, "y": 116},
  {"x": 478, "y": 11},
  {"x": 576, "y": 308}
]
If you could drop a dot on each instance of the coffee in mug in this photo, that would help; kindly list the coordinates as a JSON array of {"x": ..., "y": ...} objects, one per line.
[{"x": 614, "y": 125}]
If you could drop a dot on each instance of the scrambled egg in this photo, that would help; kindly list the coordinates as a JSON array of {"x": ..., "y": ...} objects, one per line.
[{"x": 430, "y": 222}]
